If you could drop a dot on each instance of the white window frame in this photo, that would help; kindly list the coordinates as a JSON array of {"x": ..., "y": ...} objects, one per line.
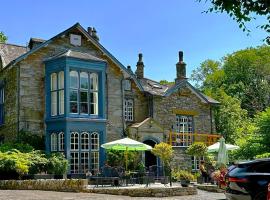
[
  {"x": 74, "y": 162},
  {"x": 184, "y": 130},
  {"x": 76, "y": 88},
  {"x": 129, "y": 110},
  {"x": 127, "y": 85},
  {"x": 61, "y": 141},
  {"x": 73, "y": 137},
  {"x": 85, "y": 141},
  {"x": 196, "y": 163},
  {"x": 94, "y": 87},
  {"x": 94, "y": 141},
  {"x": 53, "y": 142},
  {"x": 53, "y": 92},
  {"x": 85, "y": 161},
  {"x": 61, "y": 92}
]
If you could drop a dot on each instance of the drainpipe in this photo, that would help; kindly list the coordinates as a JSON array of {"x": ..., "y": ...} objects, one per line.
[
  {"x": 18, "y": 102},
  {"x": 123, "y": 106}
]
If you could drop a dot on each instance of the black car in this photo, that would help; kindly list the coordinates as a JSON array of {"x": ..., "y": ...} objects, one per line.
[{"x": 248, "y": 180}]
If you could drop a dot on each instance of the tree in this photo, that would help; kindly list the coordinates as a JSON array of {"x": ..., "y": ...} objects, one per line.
[
  {"x": 165, "y": 82},
  {"x": 202, "y": 73},
  {"x": 165, "y": 152},
  {"x": 3, "y": 38},
  {"x": 243, "y": 11},
  {"x": 247, "y": 77}
]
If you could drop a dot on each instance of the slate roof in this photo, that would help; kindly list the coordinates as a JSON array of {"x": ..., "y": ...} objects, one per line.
[
  {"x": 155, "y": 88},
  {"x": 9, "y": 52},
  {"x": 77, "y": 54}
]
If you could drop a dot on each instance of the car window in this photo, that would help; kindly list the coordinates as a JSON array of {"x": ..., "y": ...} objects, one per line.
[{"x": 261, "y": 167}]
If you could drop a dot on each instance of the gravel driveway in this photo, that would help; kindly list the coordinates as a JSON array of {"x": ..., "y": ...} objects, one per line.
[{"x": 48, "y": 195}]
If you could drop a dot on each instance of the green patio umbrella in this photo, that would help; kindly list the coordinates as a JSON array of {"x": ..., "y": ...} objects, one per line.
[
  {"x": 126, "y": 144},
  {"x": 222, "y": 152}
]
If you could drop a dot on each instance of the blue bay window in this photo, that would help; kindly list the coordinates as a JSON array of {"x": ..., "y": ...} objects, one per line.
[{"x": 75, "y": 110}]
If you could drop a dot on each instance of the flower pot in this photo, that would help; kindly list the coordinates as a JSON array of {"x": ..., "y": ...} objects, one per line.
[{"x": 184, "y": 183}]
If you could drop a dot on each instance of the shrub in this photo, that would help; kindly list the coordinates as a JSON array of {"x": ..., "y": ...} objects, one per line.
[
  {"x": 14, "y": 164},
  {"x": 57, "y": 164},
  {"x": 198, "y": 149},
  {"x": 39, "y": 162},
  {"x": 24, "y": 148},
  {"x": 265, "y": 155},
  {"x": 182, "y": 175}
]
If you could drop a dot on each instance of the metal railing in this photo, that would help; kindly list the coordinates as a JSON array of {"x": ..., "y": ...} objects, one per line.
[{"x": 186, "y": 139}]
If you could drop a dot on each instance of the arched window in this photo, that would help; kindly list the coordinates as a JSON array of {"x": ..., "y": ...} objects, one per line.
[
  {"x": 73, "y": 98},
  {"x": 74, "y": 141},
  {"x": 94, "y": 141},
  {"x": 84, "y": 85},
  {"x": 94, "y": 152},
  {"x": 94, "y": 93},
  {"x": 53, "y": 94},
  {"x": 61, "y": 141},
  {"x": 84, "y": 141},
  {"x": 53, "y": 142}
]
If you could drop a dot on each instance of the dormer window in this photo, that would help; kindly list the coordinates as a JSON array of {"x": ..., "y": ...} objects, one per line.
[{"x": 127, "y": 84}]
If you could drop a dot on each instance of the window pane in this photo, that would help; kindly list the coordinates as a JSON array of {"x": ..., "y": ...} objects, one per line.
[
  {"x": 53, "y": 142},
  {"x": 74, "y": 162},
  {"x": 128, "y": 110},
  {"x": 61, "y": 102},
  {"x": 85, "y": 141},
  {"x": 74, "y": 141},
  {"x": 84, "y": 80},
  {"x": 83, "y": 96},
  {"x": 85, "y": 162},
  {"x": 73, "y": 95},
  {"x": 53, "y": 81},
  {"x": 94, "y": 161},
  {"x": 53, "y": 103},
  {"x": 73, "y": 79},
  {"x": 73, "y": 107},
  {"x": 61, "y": 141},
  {"x": 95, "y": 141},
  {"x": 61, "y": 80},
  {"x": 84, "y": 108},
  {"x": 94, "y": 81},
  {"x": 127, "y": 85}
]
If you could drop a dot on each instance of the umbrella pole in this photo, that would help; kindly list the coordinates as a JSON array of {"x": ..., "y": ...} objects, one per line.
[{"x": 126, "y": 156}]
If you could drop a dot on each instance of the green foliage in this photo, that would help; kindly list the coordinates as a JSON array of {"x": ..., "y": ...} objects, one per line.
[
  {"x": 264, "y": 155},
  {"x": 24, "y": 148},
  {"x": 39, "y": 162},
  {"x": 197, "y": 149},
  {"x": 164, "y": 151},
  {"x": 15, "y": 161},
  {"x": 117, "y": 158},
  {"x": 36, "y": 141},
  {"x": 165, "y": 82},
  {"x": 243, "y": 11},
  {"x": 57, "y": 164},
  {"x": 3, "y": 38},
  {"x": 182, "y": 175}
]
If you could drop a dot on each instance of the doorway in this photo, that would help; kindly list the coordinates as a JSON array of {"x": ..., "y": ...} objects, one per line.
[{"x": 150, "y": 159}]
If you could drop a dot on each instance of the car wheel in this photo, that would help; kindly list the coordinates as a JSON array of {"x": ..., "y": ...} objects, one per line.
[{"x": 260, "y": 196}]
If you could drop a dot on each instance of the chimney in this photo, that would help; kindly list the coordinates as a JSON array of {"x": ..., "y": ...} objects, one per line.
[
  {"x": 89, "y": 30},
  {"x": 93, "y": 33},
  {"x": 140, "y": 71},
  {"x": 180, "y": 68},
  {"x": 129, "y": 69},
  {"x": 33, "y": 42}
]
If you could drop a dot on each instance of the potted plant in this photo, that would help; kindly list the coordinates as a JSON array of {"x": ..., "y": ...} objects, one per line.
[{"x": 185, "y": 177}]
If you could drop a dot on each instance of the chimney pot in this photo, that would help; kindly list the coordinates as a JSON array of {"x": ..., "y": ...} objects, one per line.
[
  {"x": 89, "y": 30},
  {"x": 140, "y": 67},
  {"x": 181, "y": 55}
]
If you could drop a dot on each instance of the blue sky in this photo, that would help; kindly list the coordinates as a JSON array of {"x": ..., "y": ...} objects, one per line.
[{"x": 156, "y": 28}]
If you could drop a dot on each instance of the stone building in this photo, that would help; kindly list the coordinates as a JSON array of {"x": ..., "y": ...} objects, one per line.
[{"x": 78, "y": 95}]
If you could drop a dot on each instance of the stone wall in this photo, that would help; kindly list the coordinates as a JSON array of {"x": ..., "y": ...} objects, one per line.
[
  {"x": 185, "y": 100},
  {"x": 9, "y": 129},
  {"x": 61, "y": 185},
  {"x": 147, "y": 191}
]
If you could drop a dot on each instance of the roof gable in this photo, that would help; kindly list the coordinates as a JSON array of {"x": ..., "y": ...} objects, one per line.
[
  {"x": 185, "y": 84},
  {"x": 90, "y": 39}
]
